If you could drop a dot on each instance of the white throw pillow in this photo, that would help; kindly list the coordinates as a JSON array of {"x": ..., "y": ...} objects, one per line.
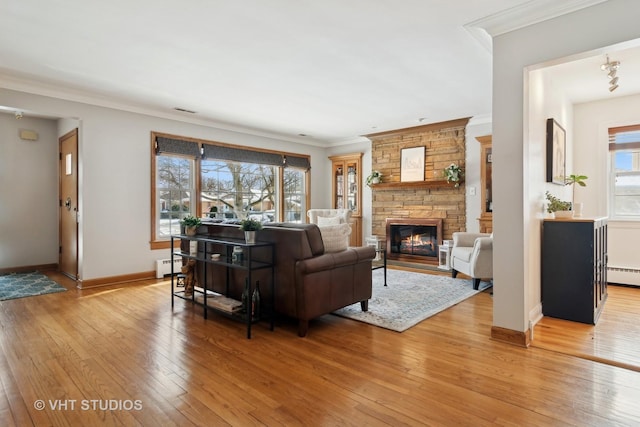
[
  {"x": 328, "y": 220},
  {"x": 335, "y": 237}
]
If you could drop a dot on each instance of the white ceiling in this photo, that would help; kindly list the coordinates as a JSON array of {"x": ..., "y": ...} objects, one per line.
[
  {"x": 583, "y": 80},
  {"x": 331, "y": 70}
]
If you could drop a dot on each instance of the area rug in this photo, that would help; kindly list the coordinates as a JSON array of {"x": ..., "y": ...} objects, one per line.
[
  {"x": 20, "y": 285},
  {"x": 409, "y": 298}
]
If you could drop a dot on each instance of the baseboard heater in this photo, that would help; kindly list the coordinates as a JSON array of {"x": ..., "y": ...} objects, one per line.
[
  {"x": 163, "y": 266},
  {"x": 623, "y": 275}
]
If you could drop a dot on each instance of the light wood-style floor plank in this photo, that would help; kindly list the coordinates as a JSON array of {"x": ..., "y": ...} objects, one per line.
[
  {"x": 125, "y": 343},
  {"x": 614, "y": 340}
]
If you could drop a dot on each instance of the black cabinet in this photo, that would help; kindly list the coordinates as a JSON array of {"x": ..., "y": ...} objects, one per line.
[{"x": 574, "y": 268}]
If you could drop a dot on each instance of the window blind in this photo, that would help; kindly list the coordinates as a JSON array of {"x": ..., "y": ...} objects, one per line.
[
  {"x": 235, "y": 154},
  {"x": 222, "y": 152},
  {"x": 177, "y": 146},
  {"x": 624, "y": 138},
  {"x": 298, "y": 162}
]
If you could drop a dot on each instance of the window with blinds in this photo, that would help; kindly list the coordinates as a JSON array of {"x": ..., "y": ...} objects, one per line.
[
  {"x": 624, "y": 146},
  {"x": 225, "y": 182}
]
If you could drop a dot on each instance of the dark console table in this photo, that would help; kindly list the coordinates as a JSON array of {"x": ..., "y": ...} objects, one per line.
[{"x": 226, "y": 260}]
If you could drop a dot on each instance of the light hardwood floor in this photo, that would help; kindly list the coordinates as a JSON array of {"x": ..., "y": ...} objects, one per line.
[{"x": 124, "y": 344}]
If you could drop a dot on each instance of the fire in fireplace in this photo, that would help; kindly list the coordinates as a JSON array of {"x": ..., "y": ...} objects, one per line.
[{"x": 414, "y": 239}]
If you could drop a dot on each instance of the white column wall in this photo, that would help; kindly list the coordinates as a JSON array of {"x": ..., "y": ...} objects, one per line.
[{"x": 516, "y": 172}]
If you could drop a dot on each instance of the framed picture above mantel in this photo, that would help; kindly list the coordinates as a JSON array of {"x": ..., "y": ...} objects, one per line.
[{"x": 412, "y": 164}]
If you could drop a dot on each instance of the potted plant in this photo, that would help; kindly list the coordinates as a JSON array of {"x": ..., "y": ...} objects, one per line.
[
  {"x": 250, "y": 226},
  {"x": 374, "y": 178},
  {"x": 572, "y": 180},
  {"x": 453, "y": 173},
  {"x": 560, "y": 208},
  {"x": 190, "y": 223}
]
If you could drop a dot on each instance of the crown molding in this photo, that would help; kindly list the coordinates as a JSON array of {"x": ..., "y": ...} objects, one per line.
[
  {"x": 36, "y": 87},
  {"x": 529, "y": 13}
]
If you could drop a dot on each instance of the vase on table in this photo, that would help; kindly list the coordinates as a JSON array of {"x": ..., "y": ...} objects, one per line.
[{"x": 250, "y": 237}]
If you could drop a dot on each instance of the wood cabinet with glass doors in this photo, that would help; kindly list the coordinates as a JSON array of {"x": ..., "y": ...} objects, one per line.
[
  {"x": 346, "y": 191},
  {"x": 486, "y": 201}
]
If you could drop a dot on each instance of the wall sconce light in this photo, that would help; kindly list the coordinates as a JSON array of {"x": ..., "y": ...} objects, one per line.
[{"x": 611, "y": 67}]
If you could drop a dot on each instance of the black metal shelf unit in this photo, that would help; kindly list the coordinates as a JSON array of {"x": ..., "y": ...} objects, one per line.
[{"x": 226, "y": 260}]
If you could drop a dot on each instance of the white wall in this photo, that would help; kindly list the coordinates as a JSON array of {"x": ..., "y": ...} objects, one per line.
[
  {"x": 115, "y": 153},
  {"x": 544, "y": 100},
  {"x": 28, "y": 193},
  {"x": 591, "y": 156},
  {"x": 474, "y": 203},
  {"x": 516, "y": 174}
]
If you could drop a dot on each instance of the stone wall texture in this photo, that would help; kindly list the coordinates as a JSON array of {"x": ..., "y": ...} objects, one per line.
[{"x": 444, "y": 144}]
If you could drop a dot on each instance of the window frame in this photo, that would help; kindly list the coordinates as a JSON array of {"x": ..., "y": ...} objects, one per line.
[
  {"x": 614, "y": 148},
  {"x": 161, "y": 243}
]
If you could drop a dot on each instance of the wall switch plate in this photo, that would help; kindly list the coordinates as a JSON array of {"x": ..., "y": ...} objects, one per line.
[{"x": 472, "y": 191}]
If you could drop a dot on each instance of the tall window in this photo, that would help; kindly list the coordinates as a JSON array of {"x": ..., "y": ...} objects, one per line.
[
  {"x": 222, "y": 181},
  {"x": 294, "y": 195},
  {"x": 175, "y": 192},
  {"x": 624, "y": 146},
  {"x": 234, "y": 190}
]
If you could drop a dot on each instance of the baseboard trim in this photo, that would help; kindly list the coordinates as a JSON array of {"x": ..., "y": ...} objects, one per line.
[
  {"x": 28, "y": 268},
  {"x": 113, "y": 280},
  {"x": 509, "y": 336}
]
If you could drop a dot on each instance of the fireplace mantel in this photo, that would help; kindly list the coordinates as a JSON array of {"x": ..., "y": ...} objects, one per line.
[{"x": 432, "y": 183}]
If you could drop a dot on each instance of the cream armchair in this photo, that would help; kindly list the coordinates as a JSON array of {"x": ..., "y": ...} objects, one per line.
[
  {"x": 472, "y": 254},
  {"x": 344, "y": 215},
  {"x": 334, "y": 227}
]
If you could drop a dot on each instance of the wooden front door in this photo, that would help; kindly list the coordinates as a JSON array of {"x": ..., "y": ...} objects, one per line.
[{"x": 68, "y": 260}]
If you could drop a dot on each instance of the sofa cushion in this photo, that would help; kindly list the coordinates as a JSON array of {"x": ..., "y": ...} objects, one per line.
[
  {"x": 335, "y": 237},
  {"x": 324, "y": 221}
]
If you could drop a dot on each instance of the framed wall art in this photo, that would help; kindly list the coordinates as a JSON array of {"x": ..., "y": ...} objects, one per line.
[
  {"x": 412, "y": 164},
  {"x": 556, "y": 151}
]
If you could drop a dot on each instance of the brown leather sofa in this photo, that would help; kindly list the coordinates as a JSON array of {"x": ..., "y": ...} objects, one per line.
[{"x": 308, "y": 282}]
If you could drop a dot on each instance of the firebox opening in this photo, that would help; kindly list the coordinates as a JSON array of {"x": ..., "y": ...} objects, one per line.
[{"x": 414, "y": 239}]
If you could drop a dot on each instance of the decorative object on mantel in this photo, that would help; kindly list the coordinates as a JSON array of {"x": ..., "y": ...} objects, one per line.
[
  {"x": 412, "y": 164},
  {"x": 572, "y": 180},
  {"x": 250, "y": 226},
  {"x": 559, "y": 208},
  {"x": 454, "y": 174},
  {"x": 191, "y": 224},
  {"x": 374, "y": 178}
]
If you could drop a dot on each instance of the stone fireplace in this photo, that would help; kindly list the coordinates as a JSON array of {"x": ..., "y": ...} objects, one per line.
[
  {"x": 414, "y": 239},
  {"x": 432, "y": 202}
]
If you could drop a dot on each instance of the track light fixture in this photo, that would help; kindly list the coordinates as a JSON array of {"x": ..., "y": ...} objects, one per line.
[{"x": 611, "y": 67}]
